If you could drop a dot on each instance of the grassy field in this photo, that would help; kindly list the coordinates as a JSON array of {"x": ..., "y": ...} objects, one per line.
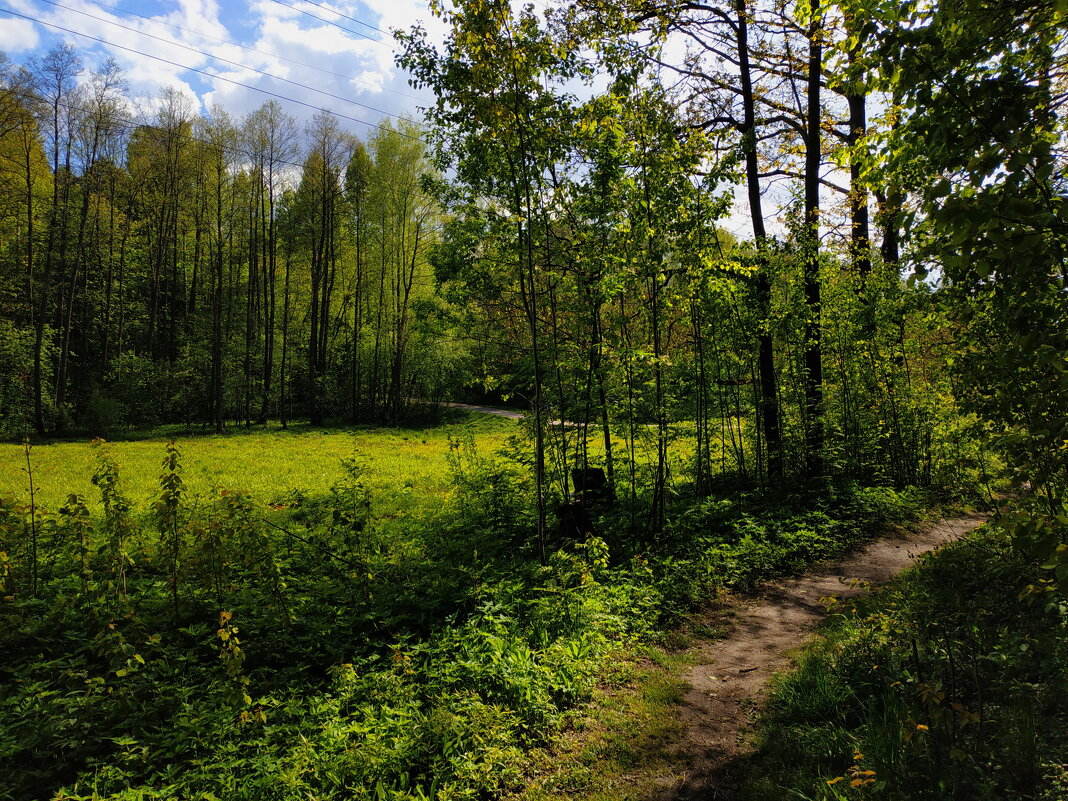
[{"x": 404, "y": 465}]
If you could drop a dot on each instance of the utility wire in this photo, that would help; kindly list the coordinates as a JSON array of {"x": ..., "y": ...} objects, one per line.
[
  {"x": 255, "y": 50},
  {"x": 328, "y": 22},
  {"x": 206, "y": 73},
  {"x": 346, "y": 16},
  {"x": 223, "y": 60}
]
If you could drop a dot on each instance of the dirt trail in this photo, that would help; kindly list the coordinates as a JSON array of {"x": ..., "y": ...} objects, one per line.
[
  {"x": 728, "y": 678},
  {"x": 511, "y": 414}
]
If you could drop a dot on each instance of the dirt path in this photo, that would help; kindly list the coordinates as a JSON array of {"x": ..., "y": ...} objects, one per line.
[
  {"x": 728, "y": 678},
  {"x": 511, "y": 414}
]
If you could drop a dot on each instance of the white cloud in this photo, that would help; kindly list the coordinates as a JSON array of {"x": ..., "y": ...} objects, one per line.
[
  {"x": 351, "y": 72},
  {"x": 198, "y": 15},
  {"x": 369, "y": 81},
  {"x": 18, "y": 35},
  {"x": 356, "y": 66}
]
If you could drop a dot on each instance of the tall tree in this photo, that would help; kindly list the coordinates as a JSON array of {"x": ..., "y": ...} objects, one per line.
[
  {"x": 357, "y": 187},
  {"x": 55, "y": 78},
  {"x": 218, "y": 140},
  {"x": 270, "y": 136},
  {"x": 405, "y": 228},
  {"x": 497, "y": 122},
  {"x": 813, "y": 352},
  {"x": 320, "y": 192},
  {"x": 24, "y": 167}
]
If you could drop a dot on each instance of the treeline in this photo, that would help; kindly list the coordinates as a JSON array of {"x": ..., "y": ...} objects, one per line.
[
  {"x": 202, "y": 269},
  {"x": 159, "y": 265}
]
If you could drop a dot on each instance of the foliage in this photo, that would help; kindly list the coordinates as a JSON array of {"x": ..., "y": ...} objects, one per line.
[
  {"x": 373, "y": 631},
  {"x": 236, "y": 648},
  {"x": 982, "y": 89},
  {"x": 947, "y": 685}
]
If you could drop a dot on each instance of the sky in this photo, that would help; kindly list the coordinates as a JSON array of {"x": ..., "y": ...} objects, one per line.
[{"x": 328, "y": 54}]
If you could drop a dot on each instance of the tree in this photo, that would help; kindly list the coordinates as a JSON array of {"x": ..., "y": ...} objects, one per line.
[
  {"x": 496, "y": 124},
  {"x": 270, "y": 137},
  {"x": 980, "y": 141},
  {"x": 27, "y": 182},
  {"x": 320, "y": 198},
  {"x": 357, "y": 186},
  {"x": 404, "y": 225},
  {"x": 54, "y": 79},
  {"x": 218, "y": 146}
]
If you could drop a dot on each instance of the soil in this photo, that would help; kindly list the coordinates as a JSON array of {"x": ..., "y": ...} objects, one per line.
[
  {"x": 727, "y": 679},
  {"x": 511, "y": 414}
]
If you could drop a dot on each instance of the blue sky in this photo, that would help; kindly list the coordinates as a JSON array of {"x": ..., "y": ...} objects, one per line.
[{"x": 331, "y": 55}]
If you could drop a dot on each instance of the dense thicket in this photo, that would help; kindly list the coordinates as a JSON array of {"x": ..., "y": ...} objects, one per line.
[{"x": 204, "y": 268}]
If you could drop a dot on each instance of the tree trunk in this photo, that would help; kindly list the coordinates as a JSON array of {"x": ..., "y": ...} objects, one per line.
[
  {"x": 812, "y": 355},
  {"x": 769, "y": 399}
]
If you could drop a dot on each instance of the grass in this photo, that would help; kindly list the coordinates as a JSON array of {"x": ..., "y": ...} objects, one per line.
[
  {"x": 624, "y": 744},
  {"x": 434, "y": 652},
  {"x": 406, "y": 466},
  {"x": 949, "y": 683},
  {"x": 618, "y": 746}
]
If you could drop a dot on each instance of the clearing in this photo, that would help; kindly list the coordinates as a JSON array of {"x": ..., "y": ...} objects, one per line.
[{"x": 405, "y": 465}]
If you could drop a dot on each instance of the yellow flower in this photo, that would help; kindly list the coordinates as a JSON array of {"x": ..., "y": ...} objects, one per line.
[{"x": 921, "y": 727}]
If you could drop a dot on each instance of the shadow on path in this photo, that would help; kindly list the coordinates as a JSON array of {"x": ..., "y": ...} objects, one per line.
[{"x": 728, "y": 678}]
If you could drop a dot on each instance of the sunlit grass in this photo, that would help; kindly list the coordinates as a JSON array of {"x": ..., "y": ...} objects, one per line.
[{"x": 404, "y": 465}]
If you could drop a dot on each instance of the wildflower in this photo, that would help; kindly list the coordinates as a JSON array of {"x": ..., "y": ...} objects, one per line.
[{"x": 921, "y": 727}]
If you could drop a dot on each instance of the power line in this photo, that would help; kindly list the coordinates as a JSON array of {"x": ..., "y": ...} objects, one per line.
[
  {"x": 224, "y": 60},
  {"x": 130, "y": 126},
  {"x": 346, "y": 16},
  {"x": 255, "y": 50},
  {"x": 205, "y": 73},
  {"x": 328, "y": 22}
]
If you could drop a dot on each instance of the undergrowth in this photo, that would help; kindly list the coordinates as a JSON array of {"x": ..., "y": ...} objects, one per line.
[
  {"x": 218, "y": 647},
  {"x": 949, "y": 684}
]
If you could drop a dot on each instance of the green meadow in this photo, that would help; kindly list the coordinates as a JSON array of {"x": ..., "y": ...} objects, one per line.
[{"x": 404, "y": 466}]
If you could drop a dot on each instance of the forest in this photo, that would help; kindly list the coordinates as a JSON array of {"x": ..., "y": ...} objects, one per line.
[{"x": 763, "y": 279}]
